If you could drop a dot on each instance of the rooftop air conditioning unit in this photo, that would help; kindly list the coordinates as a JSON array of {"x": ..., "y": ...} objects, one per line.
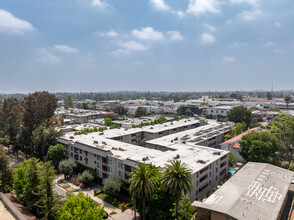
[
  {"x": 177, "y": 156},
  {"x": 216, "y": 153},
  {"x": 72, "y": 137}
]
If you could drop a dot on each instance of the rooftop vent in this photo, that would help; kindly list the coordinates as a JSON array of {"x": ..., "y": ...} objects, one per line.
[
  {"x": 126, "y": 129},
  {"x": 171, "y": 123},
  {"x": 165, "y": 125},
  {"x": 216, "y": 153},
  {"x": 95, "y": 142},
  {"x": 176, "y": 139},
  {"x": 72, "y": 137},
  {"x": 201, "y": 161},
  {"x": 145, "y": 158},
  {"x": 183, "y": 142},
  {"x": 101, "y": 133},
  {"x": 172, "y": 141},
  {"x": 114, "y": 148},
  {"x": 103, "y": 142},
  {"x": 177, "y": 156},
  {"x": 151, "y": 128},
  {"x": 121, "y": 149}
]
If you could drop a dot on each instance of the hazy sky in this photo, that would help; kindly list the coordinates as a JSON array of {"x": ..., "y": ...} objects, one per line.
[{"x": 155, "y": 45}]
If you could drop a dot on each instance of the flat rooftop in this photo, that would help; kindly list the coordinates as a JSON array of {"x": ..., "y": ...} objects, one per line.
[
  {"x": 257, "y": 191},
  {"x": 112, "y": 133},
  {"x": 193, "y": 136},
  {"x": 191, "y": 155}
]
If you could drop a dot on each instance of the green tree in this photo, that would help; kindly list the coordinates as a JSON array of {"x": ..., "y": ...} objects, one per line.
[
  {"x": 48, "y": 201},
  {"x": 33, "y": 185},
  {"x": 56, "y": 153},
  {"x": 67, "y": 167},
  {"x": 141, "y": 111},
  {"x": 232, "y": 159},
  {"x": 112, "y": 185},
  {"x": 5, "y": 172},
  {"x": 142, "y": 184},
  {"x": 86, "y": 177},
  {"x": 39, "y": 110},
  {"x": 283, "y": 128},
  {"x": 85, "y": 105},
  {"x": 68, "y": 103},
  {"x": 258, "y": 146},
  {"x": 42, "y": 139},
  {"x": 120, "y": 110},
  {"x": 31, "y": 194},
  {"x": 186, "y": 210},
  {"x": 177, "y": 178},
  {"x": 287, "y": 99},
  {"x": 240, "y": 114},
  {"x": 12, "y": 118},
  {"x": 143, "y": 142},
  {"x": 81, "y": 207},
  {"x": 107, "y": 122}
]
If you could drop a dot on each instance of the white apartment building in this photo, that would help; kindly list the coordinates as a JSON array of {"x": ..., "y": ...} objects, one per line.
[{"x": 111, "y": 154}]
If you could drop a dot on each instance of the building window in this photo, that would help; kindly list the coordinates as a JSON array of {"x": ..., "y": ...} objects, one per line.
[
  {"x": 81, "y": 151},
  {"x": 98, "y": 165},
  {"x": 81, "y": 158},
  {"x": 109, "y": 169},
  {"x": 120, "y": 165},
  {"x": 71, "y": 154}
]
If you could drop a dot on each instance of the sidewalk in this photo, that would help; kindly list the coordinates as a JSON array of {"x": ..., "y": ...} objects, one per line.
[{"x": 126, "y": 215}]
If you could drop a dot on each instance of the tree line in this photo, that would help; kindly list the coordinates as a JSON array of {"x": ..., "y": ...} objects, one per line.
[{"x": 29, "y": 124}]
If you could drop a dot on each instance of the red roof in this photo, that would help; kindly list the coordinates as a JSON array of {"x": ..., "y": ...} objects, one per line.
[
  {"x": 236, "y": 146},
  {"x": 238, "y": 137}
]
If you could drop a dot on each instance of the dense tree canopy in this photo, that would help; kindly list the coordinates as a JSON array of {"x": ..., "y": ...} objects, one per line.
[
  {"x": 240, "y": 114},
  {"x": 112, "y": 185},
  {"x": 67, "y": 167},
  {"x": 5, "y": 172},
  {"x": 55, "y": 154},
  {"x": 81, "y": 207},
  {"x": 258, "y": 146},
  {"x": 141, "y": 111},
  {"x": 120, "y": 110},
  {"x": 283, "y": 128},
  {"x": 68, "y": 103}
]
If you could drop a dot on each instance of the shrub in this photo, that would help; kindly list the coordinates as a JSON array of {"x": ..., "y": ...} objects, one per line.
[
  {"x": 66, "y": 186},
  {"x": 112, "y": 185}
]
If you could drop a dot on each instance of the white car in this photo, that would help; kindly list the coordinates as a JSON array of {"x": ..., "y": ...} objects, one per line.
[{"x": 292, "y": 180}]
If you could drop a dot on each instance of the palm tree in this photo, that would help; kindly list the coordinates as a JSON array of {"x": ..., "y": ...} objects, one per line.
[
  {"x": 287, "y": 99},
  {"x": 143, "y": 184},
  {"x": 177, "y": 178}
]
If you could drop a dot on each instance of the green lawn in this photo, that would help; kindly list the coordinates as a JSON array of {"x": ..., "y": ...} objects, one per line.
[{"x": 116, "y": 202}]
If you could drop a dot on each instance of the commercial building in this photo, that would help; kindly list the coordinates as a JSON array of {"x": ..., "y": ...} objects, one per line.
[
  {"x": 219, "y": 111},
  {"x": 257, "y": 191},
  {"x": 210, "y": 135}
]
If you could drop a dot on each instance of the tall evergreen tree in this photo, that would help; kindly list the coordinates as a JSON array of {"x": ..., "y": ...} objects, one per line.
[{"x": 5, "y": 172}]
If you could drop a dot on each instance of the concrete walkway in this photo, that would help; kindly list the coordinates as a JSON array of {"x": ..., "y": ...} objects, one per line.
[{"x": 126, "y": 215}]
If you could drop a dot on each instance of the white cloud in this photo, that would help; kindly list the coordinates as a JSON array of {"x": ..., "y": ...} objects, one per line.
[
  {"x": 228, "y": 59},
  {"x": 109, "y": 34},
  {"x": 207, "y": 38},
  {"x": 175, "y": 35},
  {"x": 119, "y": 52},
  {"x": 13, "y": 25},
  {"x": 147, "y": 34},
  {"x": 134, "y": 46},
  {"x": 268, "y": 44},
  {"x": 46, "y": 57},
  {"x": 99, "y": 3},
  {"x": 250, "y": 2},
  {"x": 180, "y": 14},
  {"x": 65, "y": 49},
  {"x": 250, "y": 15},
  {"x": 199, "y": 7},
  {"x": 159, "y": 5},
  {"x": 278, "y": 24},
  {"x": 238, "y": 44},
  {"x": 209, "y": 27}
]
